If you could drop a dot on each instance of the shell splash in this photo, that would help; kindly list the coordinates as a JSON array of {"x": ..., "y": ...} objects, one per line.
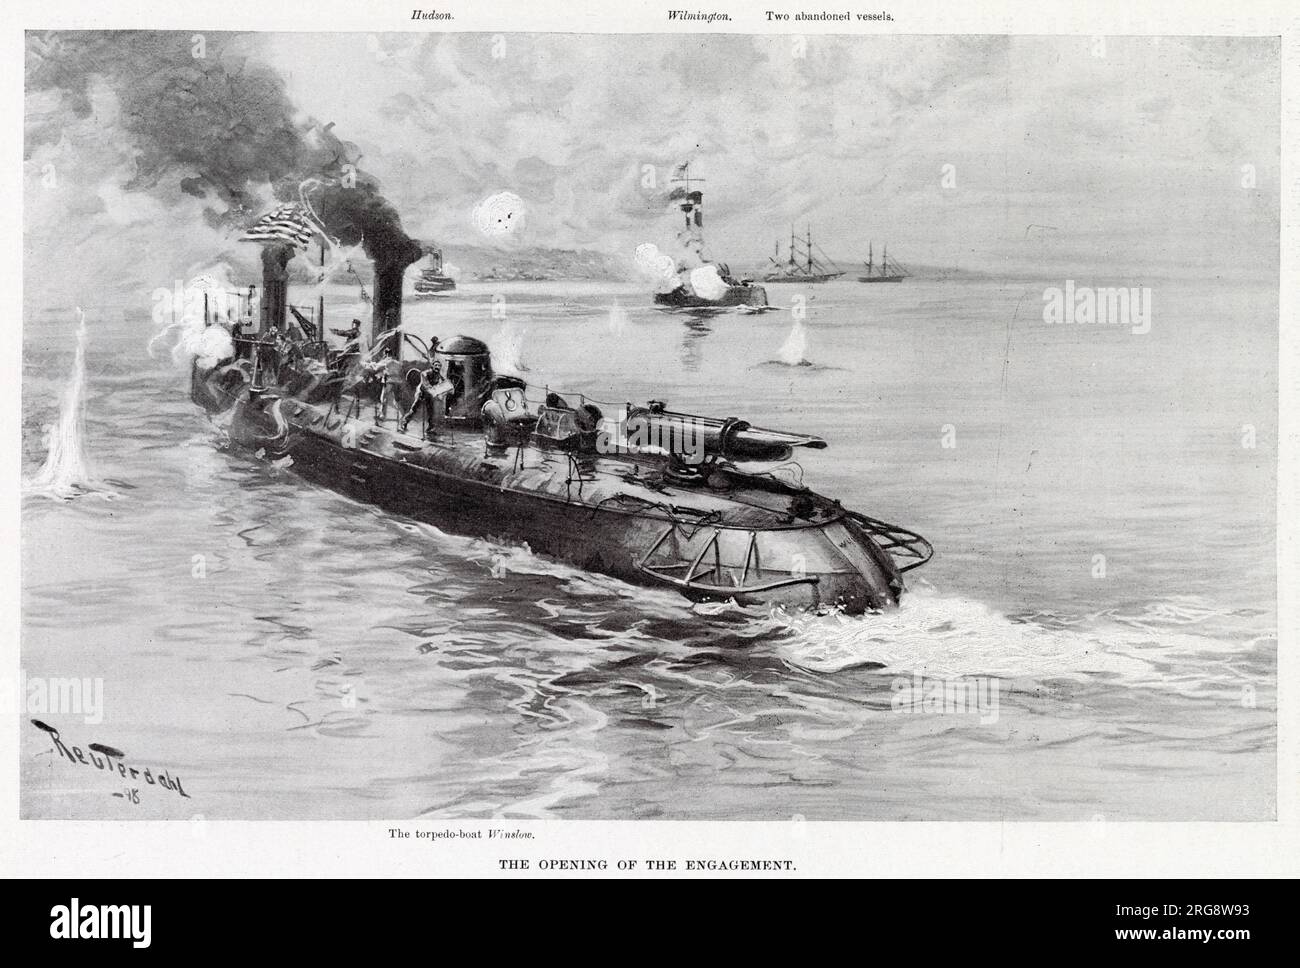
[{"x": 66, "y": 472}]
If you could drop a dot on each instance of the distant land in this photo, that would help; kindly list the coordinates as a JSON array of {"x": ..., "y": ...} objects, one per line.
[
  {"x": 536, "y": 264},
  {"x": 481, "y": 263},
  {"x": 477, "y": 263}
]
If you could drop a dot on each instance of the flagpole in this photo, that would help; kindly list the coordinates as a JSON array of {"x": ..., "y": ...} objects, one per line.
[{"x": 320, "y": 298}]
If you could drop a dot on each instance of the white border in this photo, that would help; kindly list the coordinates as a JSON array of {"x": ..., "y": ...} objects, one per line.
[{"x": 317, "y": 849}]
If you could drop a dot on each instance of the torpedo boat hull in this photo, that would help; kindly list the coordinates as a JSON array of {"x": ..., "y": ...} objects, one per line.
[{"x": 603, "y": 514}]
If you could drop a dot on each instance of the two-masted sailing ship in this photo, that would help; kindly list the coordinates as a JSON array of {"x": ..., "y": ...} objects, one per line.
[
  {"x": 887, "y": 270},
  {"x": 802, "y": 265}
]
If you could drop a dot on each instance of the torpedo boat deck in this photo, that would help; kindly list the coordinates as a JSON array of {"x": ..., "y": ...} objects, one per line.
[{"x": 732, "y": 534}]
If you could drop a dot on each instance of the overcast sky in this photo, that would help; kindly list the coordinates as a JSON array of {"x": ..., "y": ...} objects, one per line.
[
  {"x": 1132, "y": 156},
  {"x": 1062, "y": 155}
]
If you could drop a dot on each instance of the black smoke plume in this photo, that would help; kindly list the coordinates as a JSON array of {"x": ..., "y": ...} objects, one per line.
[{"x": 222, "y": 124}]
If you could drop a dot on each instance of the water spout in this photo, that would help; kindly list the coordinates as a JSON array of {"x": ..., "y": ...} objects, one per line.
[{"x": 66, "y": 471}]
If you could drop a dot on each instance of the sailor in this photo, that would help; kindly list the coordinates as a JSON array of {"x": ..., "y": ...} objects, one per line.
[
  {"x": 389, "y": 369},
  {"x": 269, "y": 349},
  {"x": 352, "y": 334},
  {"x": 352, "y": 348},
  {"x": 431, "y": 387}
]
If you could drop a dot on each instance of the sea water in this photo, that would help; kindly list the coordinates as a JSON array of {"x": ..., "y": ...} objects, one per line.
[{"x": 1101, "y": 502}]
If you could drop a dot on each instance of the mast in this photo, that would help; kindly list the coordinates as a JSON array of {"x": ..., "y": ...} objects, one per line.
[
  {"x": 810, "y": 257},
  {"x": 320, "y": 297},
  {"x": 869, "y": 258},
  {"x": 884, "y": 259}
]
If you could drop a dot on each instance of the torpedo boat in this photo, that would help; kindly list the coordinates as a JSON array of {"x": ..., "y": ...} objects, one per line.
[{"x": 648, "y": 494}]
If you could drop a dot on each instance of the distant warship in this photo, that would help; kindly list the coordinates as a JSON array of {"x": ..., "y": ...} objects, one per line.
[
  {"x": 801, "y": 265},
  {"x": 432, "y": 281},
  {"x": 646, "y": 494},
  {"x": 705, "y": 284}
]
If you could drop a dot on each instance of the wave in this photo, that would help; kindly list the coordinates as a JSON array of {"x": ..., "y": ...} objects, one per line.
[{"x": 1183, "y": 644}]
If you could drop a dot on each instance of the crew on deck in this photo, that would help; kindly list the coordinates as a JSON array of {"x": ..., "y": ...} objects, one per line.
[
  {"x": 352, "y": 334},
  {"x": 430, "y": 388},
  {"x": 351, "y": 349}
]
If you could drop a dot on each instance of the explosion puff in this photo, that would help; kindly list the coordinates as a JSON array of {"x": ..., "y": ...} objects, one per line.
[
  {"x": 500, "y": 215},
  {"x": 707, "y": 283},
  {"x": 656, "y": 266},
  {"x": 180, "y": 314}
]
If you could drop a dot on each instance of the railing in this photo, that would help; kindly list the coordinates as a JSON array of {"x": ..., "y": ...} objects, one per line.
[
  {"x": 709, "y": 580},
  {"x": 908, "y": 549}
]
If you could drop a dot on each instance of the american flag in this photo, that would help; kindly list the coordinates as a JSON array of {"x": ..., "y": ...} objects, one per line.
[{"x": 288, "y": 223}]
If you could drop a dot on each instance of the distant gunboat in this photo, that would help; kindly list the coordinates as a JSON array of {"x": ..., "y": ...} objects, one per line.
[
  {"x": 432, "y": 281},
  {"x": 707, "y": 285}
]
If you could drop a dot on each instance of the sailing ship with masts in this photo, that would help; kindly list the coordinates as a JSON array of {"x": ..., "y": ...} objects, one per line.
[
  {"x": 802, "y": 265},
  {"x": 887, "y": 270}
]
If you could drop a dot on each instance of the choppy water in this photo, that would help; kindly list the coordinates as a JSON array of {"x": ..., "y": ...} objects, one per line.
[{"x": 290, "y": 653}]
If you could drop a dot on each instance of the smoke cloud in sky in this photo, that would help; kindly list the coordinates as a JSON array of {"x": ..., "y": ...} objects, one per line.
[
  {"x": 1019, "y": 153},
  {"x": 141, "y": 131}
]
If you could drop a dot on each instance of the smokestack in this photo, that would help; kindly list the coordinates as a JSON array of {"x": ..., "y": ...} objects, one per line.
[
  {"x": 691, "y": 237},
  {"x": 391, "y": 264},
  {"x": 275, "y": 285},
  {"x": 694, "y": 209},
  {"x": 355, "y": 211}
]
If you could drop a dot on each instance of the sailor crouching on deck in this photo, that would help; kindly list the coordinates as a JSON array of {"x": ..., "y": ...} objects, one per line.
[
  {"x": 389, "y": 369},
  {"x": 427, "y": 392}
]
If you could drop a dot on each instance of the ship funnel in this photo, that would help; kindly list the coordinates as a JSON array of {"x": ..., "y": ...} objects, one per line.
[
  {"x": 391, "y": 263},
  {"x": 275, "y": 285}
]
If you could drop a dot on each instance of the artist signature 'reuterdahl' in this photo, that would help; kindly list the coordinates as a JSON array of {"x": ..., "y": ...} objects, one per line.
[
  {"x": 112, "y": 760},
  {"x": 72, "y": 922}
]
